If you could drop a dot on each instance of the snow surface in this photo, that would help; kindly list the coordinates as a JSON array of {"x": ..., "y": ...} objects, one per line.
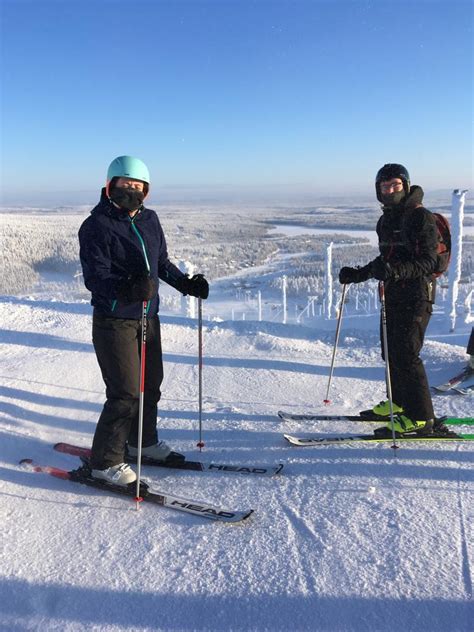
[{"x": 347, "y": 538}]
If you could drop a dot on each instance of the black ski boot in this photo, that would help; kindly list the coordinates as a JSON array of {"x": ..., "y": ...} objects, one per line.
[{"x": 435, "y": 427}]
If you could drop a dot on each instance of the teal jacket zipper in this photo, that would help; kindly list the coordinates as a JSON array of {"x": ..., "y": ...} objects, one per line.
[{"x": 145, "y": 256}]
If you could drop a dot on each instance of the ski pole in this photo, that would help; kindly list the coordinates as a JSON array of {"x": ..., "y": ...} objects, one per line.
[
  {"x": 338, "y": 329},
  {"x": 200, "y": 443},
  {"x": 387, "y": 363},
  {"x": 141, "y": 402}
]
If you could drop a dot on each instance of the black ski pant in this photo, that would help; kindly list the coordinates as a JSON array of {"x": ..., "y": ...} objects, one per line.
[
  {"x": 406, "y": 326},
  {"x": 470, "y": 344},
  {"x": 117, "y": 344}
]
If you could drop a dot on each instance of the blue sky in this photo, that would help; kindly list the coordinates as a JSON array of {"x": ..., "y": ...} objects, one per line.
[{"x": 266, "y": 96}]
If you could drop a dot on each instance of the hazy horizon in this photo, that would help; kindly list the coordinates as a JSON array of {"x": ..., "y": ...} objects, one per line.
[{"x": 215, "y": 195}]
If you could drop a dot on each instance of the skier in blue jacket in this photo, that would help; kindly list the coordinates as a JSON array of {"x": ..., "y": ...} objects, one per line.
[{"x": 124, "y": 256}]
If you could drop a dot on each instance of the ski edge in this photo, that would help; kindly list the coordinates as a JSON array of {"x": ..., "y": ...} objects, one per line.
[
  {"x": 464, "y": 390},
  {"x": 164, "y": 499}
]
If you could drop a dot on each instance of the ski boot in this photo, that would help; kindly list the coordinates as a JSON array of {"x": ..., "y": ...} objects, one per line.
[
  {"x": 120, "y": 474},
  {"x": 402, "y": 425},
  {"x": 382, "y": 409},
  {"x": 435, "y": 427},
  {"x": 158, "y": 452}
]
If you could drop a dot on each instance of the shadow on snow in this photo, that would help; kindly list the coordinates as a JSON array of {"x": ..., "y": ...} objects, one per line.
[
  {"x": 48, "y": 341},
  {"x": 23, "y": 600}
]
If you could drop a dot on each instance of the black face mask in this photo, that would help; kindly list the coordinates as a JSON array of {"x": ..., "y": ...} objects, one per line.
[
  {"x": 392, "y": 199},
  {"x": 128, "y": 199}
]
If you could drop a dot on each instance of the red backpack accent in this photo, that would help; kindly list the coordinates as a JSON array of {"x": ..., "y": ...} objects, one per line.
[{"x": 444, "y": 244}]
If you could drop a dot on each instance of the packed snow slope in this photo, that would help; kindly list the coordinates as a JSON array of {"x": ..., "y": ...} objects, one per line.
[{"x": 347, "y": 538}]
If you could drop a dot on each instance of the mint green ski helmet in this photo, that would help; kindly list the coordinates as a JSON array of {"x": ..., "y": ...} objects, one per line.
[{"x": 128, "y": 167}]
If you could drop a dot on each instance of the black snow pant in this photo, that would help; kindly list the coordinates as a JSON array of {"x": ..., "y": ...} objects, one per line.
[
  {"x": 470, "y": 344},
  {"x": 406, "y": 326},
  {"x": 117, "y": 344}
]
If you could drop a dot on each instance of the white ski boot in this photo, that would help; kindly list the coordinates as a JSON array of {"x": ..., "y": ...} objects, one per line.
[
  {"x": 121, "y": 474},
  {"x": 158, "y": 452}
]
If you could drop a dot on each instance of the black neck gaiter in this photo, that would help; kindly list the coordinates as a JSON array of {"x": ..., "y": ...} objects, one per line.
[
  {"x": 392, "y": 199},
  {"x": 128, "y": 199}
]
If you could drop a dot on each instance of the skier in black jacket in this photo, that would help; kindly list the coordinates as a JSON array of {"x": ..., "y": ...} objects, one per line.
[
  {"x": 408, "y": 241},
  {"x": 124, "y": 255},
  {"x": 470, "y": 350}
]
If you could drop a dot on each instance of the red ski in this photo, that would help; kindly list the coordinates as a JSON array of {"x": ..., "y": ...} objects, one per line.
[{"x": 197, "y": 508}]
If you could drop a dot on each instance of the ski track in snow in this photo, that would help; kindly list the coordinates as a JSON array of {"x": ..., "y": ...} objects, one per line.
[{"x": 346, "y": 538}]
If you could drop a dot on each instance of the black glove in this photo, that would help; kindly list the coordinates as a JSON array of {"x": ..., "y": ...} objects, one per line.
[
  {"x": 351, "y": 275},
  {"x": 136, "y": 289},
  {"x": 194, "y": 286},
  {"x": 381, "y": 270}
]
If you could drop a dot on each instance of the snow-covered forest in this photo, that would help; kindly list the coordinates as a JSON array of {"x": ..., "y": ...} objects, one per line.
[{"x": 346, "y": 538}]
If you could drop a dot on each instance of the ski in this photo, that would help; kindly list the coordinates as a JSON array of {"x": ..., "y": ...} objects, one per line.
[
  {"x": 366, "y": 417},
  {"x": 180, "y": 464},
  {"x": 315, "y": 441},
  {"x": 196, "y": 508},
  {"x": 464, "y": 390},
  {"x": 455, "y": 381}
]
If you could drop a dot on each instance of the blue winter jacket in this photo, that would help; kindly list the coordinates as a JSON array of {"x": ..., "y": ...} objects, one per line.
[{"x": 114, "y": 247}]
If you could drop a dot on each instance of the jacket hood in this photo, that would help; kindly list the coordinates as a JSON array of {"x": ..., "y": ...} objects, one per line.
[{"x": 415, "y": 197}]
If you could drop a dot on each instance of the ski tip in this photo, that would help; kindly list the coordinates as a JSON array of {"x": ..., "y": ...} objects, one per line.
[
  {"x": 233, "y": 519},
  {"x": 243, "y": 518},
  {"x": 26, "y": 462},
  {"x": 61, "y": 446}
]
